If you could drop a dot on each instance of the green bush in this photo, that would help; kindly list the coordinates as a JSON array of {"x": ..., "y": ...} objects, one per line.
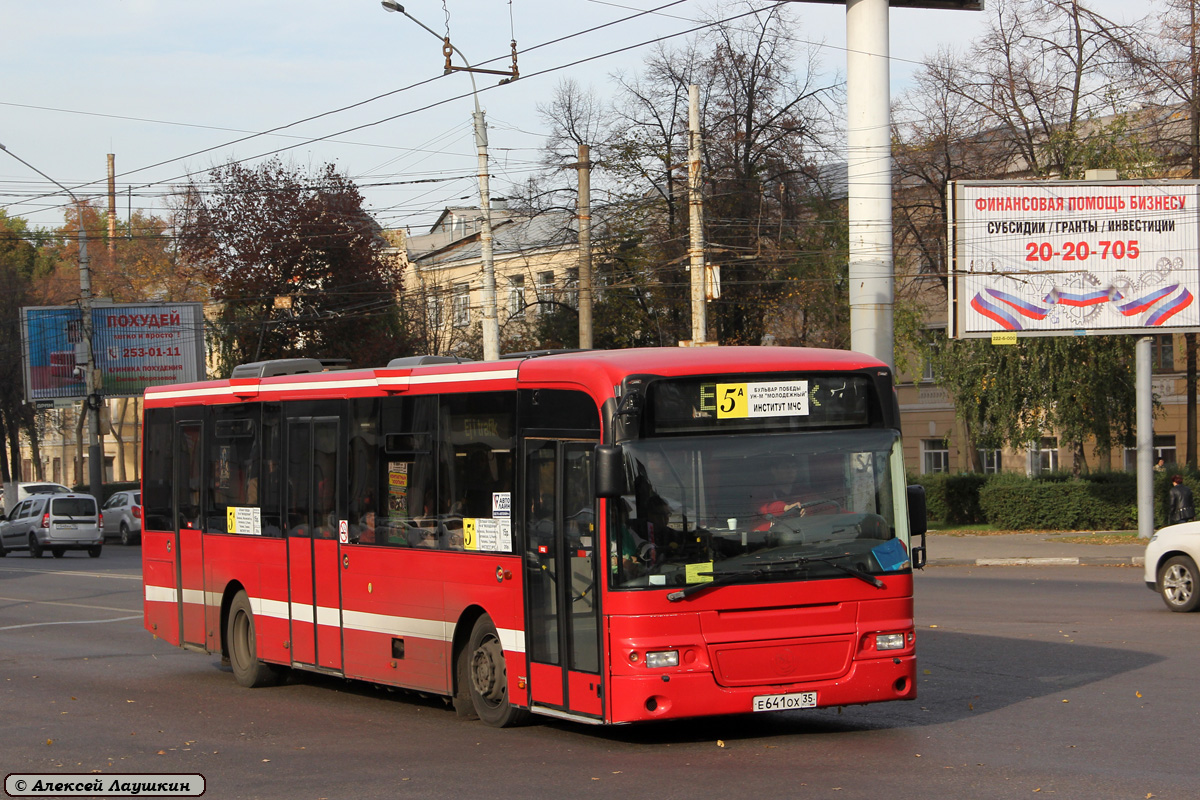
[
  {"x": 1052, "y": 503},
  {"x": 953, "y": 499}
]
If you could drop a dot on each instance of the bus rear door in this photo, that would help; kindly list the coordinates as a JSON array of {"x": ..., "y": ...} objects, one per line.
[
  {"x": 189, "y": 524},
  {"x": 312, "y": 503},
  {"x": 562, "y": 604}
]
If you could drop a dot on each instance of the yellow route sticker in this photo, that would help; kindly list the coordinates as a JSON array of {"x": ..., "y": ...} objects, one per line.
[
  {"x": 692, "y": 572},
  {"x": 470, "y": 536}
]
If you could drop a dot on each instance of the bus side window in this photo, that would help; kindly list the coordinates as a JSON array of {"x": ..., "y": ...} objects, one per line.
[
  {"x": 407, "y": 479},
  {"x": 157, "y": 469},
  {"x": 233, "y": 461},
  {"x": 475, "y": 450},
  {"x": 364, "y": 470}
]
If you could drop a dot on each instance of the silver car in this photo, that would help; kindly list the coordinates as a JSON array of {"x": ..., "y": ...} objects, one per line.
[
  {"x": 123, "y": 516},
  {"x": 54, "y": 522}
]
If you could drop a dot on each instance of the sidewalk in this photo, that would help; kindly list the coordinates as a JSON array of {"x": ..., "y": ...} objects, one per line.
[{"x": 1029, "y": 549}]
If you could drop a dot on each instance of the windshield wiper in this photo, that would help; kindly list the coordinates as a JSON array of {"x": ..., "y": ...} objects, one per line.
[
  {"x": 727, "y": 577},
  {"x": 720, "y": 578}
]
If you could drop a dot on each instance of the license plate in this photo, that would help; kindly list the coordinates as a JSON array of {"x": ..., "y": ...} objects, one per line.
[
  {"x": 784, "y": 702},
  {"x": 66, "y": 526}
]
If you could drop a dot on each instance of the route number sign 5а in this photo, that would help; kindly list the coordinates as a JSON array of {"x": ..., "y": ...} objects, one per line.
[{"x": 773, "y": 399}]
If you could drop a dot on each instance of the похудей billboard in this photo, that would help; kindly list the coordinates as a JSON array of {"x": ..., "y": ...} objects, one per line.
[{"x": 135, "y": 346}]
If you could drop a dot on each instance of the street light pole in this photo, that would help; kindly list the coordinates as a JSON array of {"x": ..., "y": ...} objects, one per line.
[
  {"x": 91, "y": 400},
  {"x": 490, "y": 327}
]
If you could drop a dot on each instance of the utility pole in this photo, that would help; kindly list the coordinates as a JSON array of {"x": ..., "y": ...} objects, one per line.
[
  {"x": 112, "y": 203},
  {"x": 585, "y": 247},
  {"x": 91, "y": 400},
  {"x": 696, "y": 221},
  {"x": 491, "y": 327}
]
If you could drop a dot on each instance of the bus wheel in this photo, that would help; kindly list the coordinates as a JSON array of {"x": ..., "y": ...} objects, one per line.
[
  {"x": 243, "y": 652},
  {"x": 487, "y": 677}
]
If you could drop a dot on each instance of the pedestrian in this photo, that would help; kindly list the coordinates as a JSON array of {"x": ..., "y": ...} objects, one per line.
[{"x": 1181, "y": 507}]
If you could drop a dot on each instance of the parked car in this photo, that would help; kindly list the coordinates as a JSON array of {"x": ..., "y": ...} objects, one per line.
[
  {"x": 123, "y": 516},
  {"x": 54, "y": 522},
  {"x": 1171, "y": 559}
]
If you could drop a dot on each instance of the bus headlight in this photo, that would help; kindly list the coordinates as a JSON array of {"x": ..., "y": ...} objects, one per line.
[
  {"x": 889, "y": 641},
  {"x": 662, "y": 659}
]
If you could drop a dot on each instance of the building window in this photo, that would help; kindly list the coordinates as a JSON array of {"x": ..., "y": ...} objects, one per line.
[
  {"x": 434, "y": 309},
  {"x": 545, "y": 289},
  {"x": 516, "y": 296},
  {"x": 935, "y": 456},
  {"x": 1162, "y": 350},
  {"x": 571, "y": 288},
  {"x": 934, "y": 339},
  {"x": 1045, "y": 456},
  {"x": 1164, "y": 449},
  {"x": 462, "y": 305},
  {"x": 990, "y": 459}
]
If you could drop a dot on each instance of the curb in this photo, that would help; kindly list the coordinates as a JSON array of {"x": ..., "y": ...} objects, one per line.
[{"x": 1066, "y": 561}]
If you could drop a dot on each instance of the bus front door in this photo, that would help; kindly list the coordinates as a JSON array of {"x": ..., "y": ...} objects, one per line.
[
  {"x": 562, "y": 604},
  {"x": 312, "y": 536},
  {"x": 189, "y": 500}
]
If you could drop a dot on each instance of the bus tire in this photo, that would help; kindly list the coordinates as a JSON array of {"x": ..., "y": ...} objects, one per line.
[
  {"x": 243, "y": 649},
  {"x": 487, "y": 677},
  {"x": 1179, "y": 584}
]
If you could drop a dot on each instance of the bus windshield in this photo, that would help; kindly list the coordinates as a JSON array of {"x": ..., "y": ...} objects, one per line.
[{"x": 765, "y": 507}]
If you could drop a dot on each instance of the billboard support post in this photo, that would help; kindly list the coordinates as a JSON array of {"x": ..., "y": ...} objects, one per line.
[
  {"x": 868, "y": 163},
  {"x": 1145, "y": 438}
]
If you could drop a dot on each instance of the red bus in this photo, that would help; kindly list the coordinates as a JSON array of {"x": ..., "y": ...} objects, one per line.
[{"x": 598, "y": 536}]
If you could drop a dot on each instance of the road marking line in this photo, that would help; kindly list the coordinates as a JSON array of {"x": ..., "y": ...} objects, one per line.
[
  {"x": 1027, "y": 562},
  {"x": 72, "y": 573},
  {"x": 90, "y": 606},
  {"x": 76, "y": 622}
]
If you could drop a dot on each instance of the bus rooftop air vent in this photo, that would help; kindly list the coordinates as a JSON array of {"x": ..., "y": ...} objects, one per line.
[
  {"x": 420, "y": 361},
  {"x": 279, "y": 366},
  {"x": 539, "y": 353}
]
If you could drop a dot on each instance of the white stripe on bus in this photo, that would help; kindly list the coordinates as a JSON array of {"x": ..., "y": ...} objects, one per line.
[
  {"x": 368, "y": 383},
  {"x": 511, "y": 639}
]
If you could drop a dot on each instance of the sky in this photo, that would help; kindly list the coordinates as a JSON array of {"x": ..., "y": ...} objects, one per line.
[{"x": 173, "y": 88}]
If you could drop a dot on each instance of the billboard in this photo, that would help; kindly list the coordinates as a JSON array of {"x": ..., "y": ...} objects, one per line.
[
  {"x": 135, "y": 346},
  {"x": 1055, "y": 258}
]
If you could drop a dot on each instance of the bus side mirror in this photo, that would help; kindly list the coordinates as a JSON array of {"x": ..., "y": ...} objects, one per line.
[
  {"x": 918, "y": 522},
  {"x": 610, "y": 471}
]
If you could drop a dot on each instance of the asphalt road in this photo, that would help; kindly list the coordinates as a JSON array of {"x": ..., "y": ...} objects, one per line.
[{"x": 1071, "y": 681}]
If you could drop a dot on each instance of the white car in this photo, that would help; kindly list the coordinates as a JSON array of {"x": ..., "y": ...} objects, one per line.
[{"x": 1171, "y": 559}]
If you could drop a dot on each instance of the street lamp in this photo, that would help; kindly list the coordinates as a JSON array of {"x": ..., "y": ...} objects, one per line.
[
  {"x": 491, "y": 329},
  {"x": 91, "y": 400}
]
